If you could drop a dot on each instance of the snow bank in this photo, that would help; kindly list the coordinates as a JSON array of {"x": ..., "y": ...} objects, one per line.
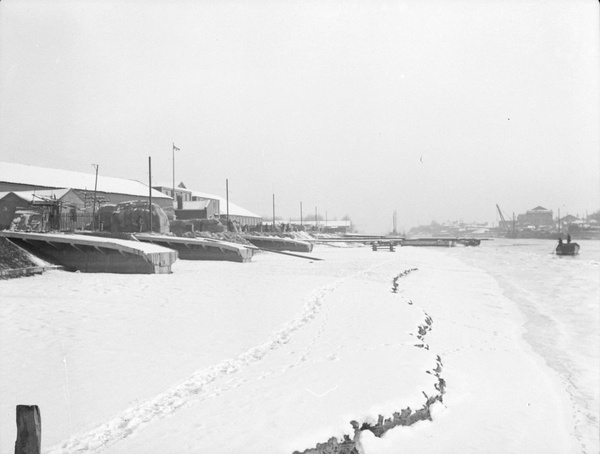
[{"x": 278, "y": 355}]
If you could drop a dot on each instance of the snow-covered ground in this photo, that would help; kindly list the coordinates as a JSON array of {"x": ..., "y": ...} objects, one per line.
[{"x": 281, "y": 353}]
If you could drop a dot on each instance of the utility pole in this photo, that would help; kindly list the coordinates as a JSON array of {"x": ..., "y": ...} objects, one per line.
[
  {"x": 301, "y": 227},
  {"x": 273, "y": 213},
  {"x": 227, "y": 198},
  {"x": 150, "y": 190},
  {"x": 174, "y": 198},
  {"x": 94, "y": 207}
]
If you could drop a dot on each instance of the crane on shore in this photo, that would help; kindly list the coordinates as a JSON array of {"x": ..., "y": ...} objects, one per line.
[{"x": 504, "y": 224}]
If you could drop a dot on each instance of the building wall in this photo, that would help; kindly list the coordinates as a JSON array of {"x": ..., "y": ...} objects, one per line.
[
  {"x": 181, "y": 194},
  {"x": 87, "y": 198},
  {"x": 241, "y": 220},
  {"x": 80, "y": 196},
  {"x": 214, "y": 207},
  {"x": 191, "y": 214},
  {"x": 537, "y": 218}
]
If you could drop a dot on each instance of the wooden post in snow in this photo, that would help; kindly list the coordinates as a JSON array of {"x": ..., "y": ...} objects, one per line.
[{"x": 29, "y": 430}]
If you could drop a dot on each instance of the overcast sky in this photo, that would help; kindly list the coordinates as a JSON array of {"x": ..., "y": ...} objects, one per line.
[{"x": 435, "y": 109}]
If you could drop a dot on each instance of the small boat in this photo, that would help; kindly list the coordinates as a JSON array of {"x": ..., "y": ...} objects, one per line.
[
  {"x": 567, "y": 249},
  {"x": 469, "y": 241}
]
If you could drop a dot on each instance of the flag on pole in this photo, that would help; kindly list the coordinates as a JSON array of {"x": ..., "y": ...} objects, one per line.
[{"x": 175, "y": 148}]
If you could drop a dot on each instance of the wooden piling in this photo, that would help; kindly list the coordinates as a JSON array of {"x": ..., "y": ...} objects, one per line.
[{"x": 29, "y": 430}]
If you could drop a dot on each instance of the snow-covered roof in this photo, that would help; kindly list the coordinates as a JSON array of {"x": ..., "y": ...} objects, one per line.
[
  {"x": 234, "y": 210},
  {"x": 58, "y": 178},
  {"x": 37, "y": 195}
]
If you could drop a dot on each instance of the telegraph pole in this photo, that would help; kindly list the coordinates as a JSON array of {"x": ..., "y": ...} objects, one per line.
[
  {"x": 174, "y": 198},
  {"x": 227, "y": 198},
  {"x": 150, "y": 189},
  {"x": 94, "y": 207}
]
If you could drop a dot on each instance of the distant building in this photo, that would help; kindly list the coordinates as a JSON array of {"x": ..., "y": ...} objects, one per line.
[
  {"x": 182, "y": 194},
  {"x": 20, "y": 177},
  {"x": 569, "y": 219},
  {"x": 65, "y": 200},
  {"x": 536, "y": 217},
  {"x": 329, "y": 226},
  {"x": 200, "y": 205}
]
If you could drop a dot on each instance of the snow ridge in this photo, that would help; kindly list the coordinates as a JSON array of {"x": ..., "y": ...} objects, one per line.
[
  {"x": 162, "y": 405},
  {"x": 405, "y": 417}
]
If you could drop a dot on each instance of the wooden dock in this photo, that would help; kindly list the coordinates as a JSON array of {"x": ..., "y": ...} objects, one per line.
[
  {"x": 198, "y": 248},
  {"x": 90, "y": 254},
  {"x": 276, "y": 243}
]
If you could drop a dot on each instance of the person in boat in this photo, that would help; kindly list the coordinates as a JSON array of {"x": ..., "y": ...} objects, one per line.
[
  {"x": 568, "y": 238},
  {"x": 560, "y": 242}
]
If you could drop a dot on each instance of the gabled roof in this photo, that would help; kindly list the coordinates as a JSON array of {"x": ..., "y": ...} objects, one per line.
[
  {"x": 539, "y": 208},
  {"x": 179, "y": 188},
  {"x": 37, "y": 195},
  {"x": 58, "y": 178}
]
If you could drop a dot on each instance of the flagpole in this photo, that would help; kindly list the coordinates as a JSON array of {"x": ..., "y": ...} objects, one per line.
[{"x": 173, "y": 174}]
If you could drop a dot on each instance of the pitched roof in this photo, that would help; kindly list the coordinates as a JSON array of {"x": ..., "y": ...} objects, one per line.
[
  {"x": 37, "y": 195},
  {"x": 179, "y": 188},
  {"x": 58, "y": 178}
]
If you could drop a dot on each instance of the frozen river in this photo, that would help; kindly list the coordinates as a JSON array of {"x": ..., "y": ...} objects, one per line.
[
  {"x": 560, "y": 299},
  {"x": 277, "y": 354}
]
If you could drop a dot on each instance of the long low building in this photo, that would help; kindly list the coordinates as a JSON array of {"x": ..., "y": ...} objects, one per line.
[
  {"x": 65, "y": 194},
  {"x": 20, "y": 177}
]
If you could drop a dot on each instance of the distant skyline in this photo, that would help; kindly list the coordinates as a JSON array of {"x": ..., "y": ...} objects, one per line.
[{"x": 437, "y": 110}]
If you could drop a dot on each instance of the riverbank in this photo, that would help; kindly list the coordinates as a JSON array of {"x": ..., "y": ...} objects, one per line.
[{"x": 16, "y": 262}]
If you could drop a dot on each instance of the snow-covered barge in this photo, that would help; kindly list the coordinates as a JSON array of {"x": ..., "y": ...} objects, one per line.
[
  {"x": 90, "y": 254},
  {"x": 276, "y": 243},
  {"x": 201, "y": 248}
]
